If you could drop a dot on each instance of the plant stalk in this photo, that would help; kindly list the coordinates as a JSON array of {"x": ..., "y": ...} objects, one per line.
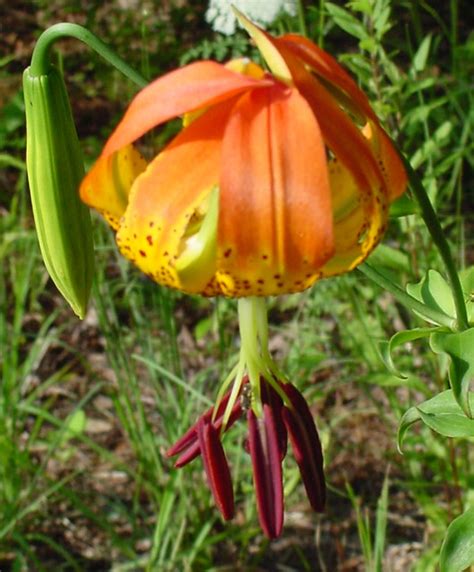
[
  {"x": 434, "y": 227},
  {"x": 40, "y": 61}
]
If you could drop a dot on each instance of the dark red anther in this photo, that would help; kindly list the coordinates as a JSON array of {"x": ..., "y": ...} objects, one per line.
[
  {"x": 269, "y": 395},
  {"x": 216, "y": 467},
  {"x": 267, "y": 475},
  {"x": 193, "y": 449},
  {"x": 189, "y": 438},
  {"x": 188, "y": 444},
  {"x": 306, "y": 446}
]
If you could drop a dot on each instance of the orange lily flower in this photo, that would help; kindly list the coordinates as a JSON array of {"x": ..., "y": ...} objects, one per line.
[{"x": 275, "y": 181}]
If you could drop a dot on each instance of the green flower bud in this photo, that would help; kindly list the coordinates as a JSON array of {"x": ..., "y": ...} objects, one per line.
[{"x": 55, "y": 170}]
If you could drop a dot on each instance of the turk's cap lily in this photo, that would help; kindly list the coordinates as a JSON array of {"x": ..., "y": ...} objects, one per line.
[{"x": 277, "y": 178}]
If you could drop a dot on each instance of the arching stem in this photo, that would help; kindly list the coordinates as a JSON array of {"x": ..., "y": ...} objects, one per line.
[{"x": 40, "y": 61}]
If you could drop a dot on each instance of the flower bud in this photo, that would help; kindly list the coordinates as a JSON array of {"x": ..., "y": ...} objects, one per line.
[{"x": 55, "y": 170}]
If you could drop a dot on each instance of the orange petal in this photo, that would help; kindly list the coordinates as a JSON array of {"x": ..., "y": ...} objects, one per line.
[
  {"x": 107, "y": 185},
  {"x": 339, "y": 132},
  {"x": 167, "y": 195},
  {"x": 200, "y": 84},
  {"x": 338, "y": 129},
  {"x": 360, "y": 219},
  {"x": 275, "y": 222},
  {"x": 390, "y": 163},
  {"x": 327, "y": 67}
]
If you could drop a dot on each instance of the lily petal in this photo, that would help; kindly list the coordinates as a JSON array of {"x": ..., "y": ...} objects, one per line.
[
  {"x": 197, "y": 85},
  {"x": 107, "y": 185},
  {"x": 325, "y": 66},
  {"x": 390, "y": 163},
  {"x": 359, "y": 221},
  {"x": 165, "y": 197},
  {"x": 338, "y": 130},
  {"x": 355, "y": 100},
  {"x": 275, "y": 223}
]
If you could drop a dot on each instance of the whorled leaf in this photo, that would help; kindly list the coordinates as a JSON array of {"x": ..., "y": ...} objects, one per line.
[
  {"x": 434, "y": 291},
  {"x": 459, "y": 346},
  {"x": 457, "y": 551},
  {"x": 400, "y": 338},
  {"x": 442, "y": 414}
]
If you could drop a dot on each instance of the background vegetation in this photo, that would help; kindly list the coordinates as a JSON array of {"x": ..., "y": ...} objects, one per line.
[{"x": 88, "y": 408}]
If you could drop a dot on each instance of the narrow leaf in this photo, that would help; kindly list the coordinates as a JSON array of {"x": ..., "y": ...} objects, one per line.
[
  {"x": 457, "y": 551},
  {"x": 400, "y": 338},
  {"x": 434, "y": 291},
  {"x": 459, "y": 347},
  {"x": 441, "y": 413},
  {"x": 421, "y": 56}
]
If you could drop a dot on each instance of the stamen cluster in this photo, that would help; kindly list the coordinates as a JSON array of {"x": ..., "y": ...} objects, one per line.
[{"x": 283, "y": 414}]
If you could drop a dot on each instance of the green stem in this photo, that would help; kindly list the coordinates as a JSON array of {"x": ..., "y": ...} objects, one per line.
[
  {"x": 40, "y": 61},
  {"x": 434, "y": 227},
  {"x": 301, "y": 19},
  {"x": 404, "y": 298}
]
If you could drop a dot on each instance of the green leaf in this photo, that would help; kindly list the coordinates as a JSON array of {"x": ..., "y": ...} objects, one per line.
[
  {"x": 441, "y": 413},
  {"x": 389, "y": 257},
  {"x": 381, "y": 526},
  {"x": 457, "y": 551},
  {"x": 459, "y": 346},
  {"x": 203, "y": 327},
  {"x": 74, "y": 426},
  {"x": 434, "y": 291},
  {"x": 346, "y": 21},
  {"x": 368, "y": 44},
  {"x": 467, "y": 281},
  {"x": 421, "y": 56},
  {"x": 400, "y": 338},
  {"x": 403, "y": 206},
  {"x": 449, "y": 424},
  {"x": 364, "y": 6},
  {"x": 410, "y": 416}
]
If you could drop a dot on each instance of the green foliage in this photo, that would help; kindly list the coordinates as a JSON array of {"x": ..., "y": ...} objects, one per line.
[
  {"x": 372, "y": 542},
  {"x": 457, "y": 552},
  {"x": 459, "y": 347},
  {"x": 442, "y": 414}
]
